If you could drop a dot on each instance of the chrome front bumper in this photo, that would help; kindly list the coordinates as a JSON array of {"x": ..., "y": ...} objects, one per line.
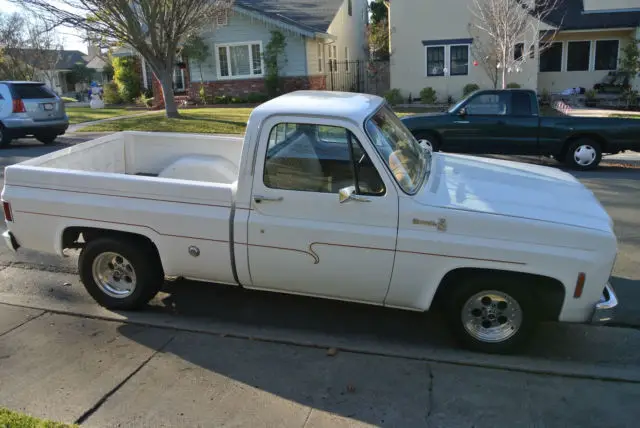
[
  {"x": 10, "y": 240},
  {"x": 605, "y": 308}
]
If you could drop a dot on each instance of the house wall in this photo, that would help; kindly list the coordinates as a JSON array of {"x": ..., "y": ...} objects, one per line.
[
  {"x": 349, "y": 31},
  {"x": 559, "y": 81},
  {"x": 434, "y": 20},
  {"x": 594, "y": 5},
  {"x": 241, "y": 28}
]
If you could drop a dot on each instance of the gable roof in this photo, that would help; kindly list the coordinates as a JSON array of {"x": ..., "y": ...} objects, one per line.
[
  {"x": 309, "y": 15},
  {"x": 570, "y": 15},
  {"x": 66, "y": 59}
]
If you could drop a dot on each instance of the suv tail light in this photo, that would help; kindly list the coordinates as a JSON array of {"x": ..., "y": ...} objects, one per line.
[
  {"x": 6, "y": 206},
  {"x": 18, "y": 106}
]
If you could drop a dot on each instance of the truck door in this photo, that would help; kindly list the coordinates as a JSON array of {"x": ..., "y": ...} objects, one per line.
[{"x": 301, "y": 237}]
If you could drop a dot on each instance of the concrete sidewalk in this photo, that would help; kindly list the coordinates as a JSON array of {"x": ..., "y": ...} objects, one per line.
[{"x": 101, "y": 373}]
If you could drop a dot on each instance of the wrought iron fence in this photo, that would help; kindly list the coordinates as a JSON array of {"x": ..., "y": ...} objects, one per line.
[{"x": 371, "y": 77}]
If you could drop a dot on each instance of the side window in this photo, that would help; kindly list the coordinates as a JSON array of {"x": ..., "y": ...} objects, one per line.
[
  {"x": 318, "y": 158},
  {"x": 520, "y": 104},
  {"x": 488, "y": 105}
]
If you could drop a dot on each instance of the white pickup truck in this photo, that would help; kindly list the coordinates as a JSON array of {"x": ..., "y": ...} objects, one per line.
[{"x": 327, "y": 195}]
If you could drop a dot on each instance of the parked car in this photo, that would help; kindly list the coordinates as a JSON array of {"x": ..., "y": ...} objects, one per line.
[
  {"x": 509, "y": 122},
  {"x": 30, "y": 109},
  {"x": 328, "y": 195}
]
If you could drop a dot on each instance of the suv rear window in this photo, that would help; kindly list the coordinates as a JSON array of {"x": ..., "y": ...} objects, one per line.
[{"x": 30, "y": 92}]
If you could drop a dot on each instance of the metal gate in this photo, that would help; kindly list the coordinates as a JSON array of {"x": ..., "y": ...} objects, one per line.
[{"x": 370, "y": 77}]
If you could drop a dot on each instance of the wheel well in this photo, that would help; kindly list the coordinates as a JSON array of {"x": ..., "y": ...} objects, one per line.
[
  {"x": 548, "y": 292},
  {"x": 430, "y": 132},
  {"x": 71, "y": 238},
  {"x": 595, "y": 137}
]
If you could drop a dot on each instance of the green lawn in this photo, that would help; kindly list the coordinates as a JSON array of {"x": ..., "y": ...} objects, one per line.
[
  {"x": 202, "y": 120},
  {"x": 87, "y": 114},
  {"x": 10, "y": 419}
]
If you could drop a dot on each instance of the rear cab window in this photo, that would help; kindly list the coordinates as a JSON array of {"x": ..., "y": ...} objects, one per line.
[
  {"x": 29, "y": 91},
  {"x": 521, "y": 104}
]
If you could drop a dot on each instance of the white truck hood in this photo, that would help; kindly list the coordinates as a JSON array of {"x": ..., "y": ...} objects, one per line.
[{"x": 512, "y": 189}]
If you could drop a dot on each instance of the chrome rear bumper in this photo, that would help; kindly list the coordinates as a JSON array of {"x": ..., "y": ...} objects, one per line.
[
  {"x": 10, "y": 240},
  {"x": 605, "y": 308}
]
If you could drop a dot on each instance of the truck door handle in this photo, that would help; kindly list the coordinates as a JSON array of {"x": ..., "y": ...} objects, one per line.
[{"x": 259, "y": 198}]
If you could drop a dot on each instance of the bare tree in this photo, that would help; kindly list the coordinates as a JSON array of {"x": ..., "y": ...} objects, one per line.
[
  {"x": 28, "y": 49},
  {"x": 505, "y": 31},
  {"x": 153, "y": 28}
]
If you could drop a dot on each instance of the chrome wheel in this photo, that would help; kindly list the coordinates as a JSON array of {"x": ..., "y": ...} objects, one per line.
[
  {"x": 584, "y": 155},
  {"x": 491, "y": 316},
  {"x": 114, "y": 275},
  {"x": 426, "y": 144}
]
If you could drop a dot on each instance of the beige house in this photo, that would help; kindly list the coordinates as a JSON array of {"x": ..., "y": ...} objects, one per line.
[{"x": 432, "y": 46}]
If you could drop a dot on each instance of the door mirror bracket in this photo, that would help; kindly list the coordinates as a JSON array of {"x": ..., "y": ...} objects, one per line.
[{"x": 349, "y": 194}]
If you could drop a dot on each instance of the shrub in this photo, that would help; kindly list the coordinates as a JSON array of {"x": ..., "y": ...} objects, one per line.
[
  {"x": 68, "y": 100},
  {"x": 221, "y": 99},
  {"x": 256, "y": 97},
  {"x": 110, "y": 94},
  {"x": 393, "y": 96},
  {"x": 144, "y": 100},
  {"x": 469, "y": 88},
  {"x": 238, "y": 100},
  {"x": 126, "y": 78},
  {"x": 203, "y": 94},
  {"x": 513, "y": 85},
  {"x": 428, "y": 96}
]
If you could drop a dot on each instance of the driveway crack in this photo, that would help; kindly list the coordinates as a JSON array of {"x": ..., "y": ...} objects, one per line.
[
  {"x": 23, "y": 323},
  {"x": 86, "y": 415},
  {"x": 430, "y": 389}
]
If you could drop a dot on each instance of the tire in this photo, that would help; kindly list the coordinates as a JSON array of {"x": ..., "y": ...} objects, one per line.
[
  {"x": 583, "y": 154},
  {"x": 428, "y": 138},
  {"x": 131, "y": 272},
  {"x": 46, "y": 139},
  {"x": 480, "y": 317},
  {"x": 4, "y": 139}
]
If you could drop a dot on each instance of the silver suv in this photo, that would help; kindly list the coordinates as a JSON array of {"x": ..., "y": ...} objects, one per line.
[{"x": 30, "y": 109}]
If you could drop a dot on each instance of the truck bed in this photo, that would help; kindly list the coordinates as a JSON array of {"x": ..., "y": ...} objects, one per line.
[{"x": 176, "y": 189}]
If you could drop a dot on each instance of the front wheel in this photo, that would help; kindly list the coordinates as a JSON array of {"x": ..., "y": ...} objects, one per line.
[
  {"x": 120, "y": 274},
  {"x": 583, "y": 154},
  {"x": 492, "y": 315},
  {"x": 428, "y": 140}
]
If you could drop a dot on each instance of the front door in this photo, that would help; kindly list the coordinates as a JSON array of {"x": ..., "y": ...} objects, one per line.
[{"x": 301, "y": 237}]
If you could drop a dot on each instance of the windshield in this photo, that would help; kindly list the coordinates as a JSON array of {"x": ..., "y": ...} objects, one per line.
[{"x": 399, "y": 149}]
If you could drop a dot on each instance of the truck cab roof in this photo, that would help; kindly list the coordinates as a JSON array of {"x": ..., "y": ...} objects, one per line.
[{"x": 349, "y": 105}]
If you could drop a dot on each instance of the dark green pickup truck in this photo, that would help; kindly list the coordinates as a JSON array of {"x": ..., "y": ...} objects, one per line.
[{"x": 508, "y": 122}]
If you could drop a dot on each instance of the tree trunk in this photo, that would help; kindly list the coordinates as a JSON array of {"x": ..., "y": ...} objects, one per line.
[
  {"x": 170, "y": 106},
  {"x": 504, "y": 77}
]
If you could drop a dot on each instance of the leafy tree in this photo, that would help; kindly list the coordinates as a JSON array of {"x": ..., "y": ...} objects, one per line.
[
  {"x": 274, "y": 59},
  {"x": 126, "y": 78},
  {"x": 153, "y": 28}
]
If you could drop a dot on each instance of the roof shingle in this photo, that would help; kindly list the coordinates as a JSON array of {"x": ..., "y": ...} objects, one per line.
[
  {"x": 312, "y": 14},
  {"x": 570, "y": 15}
]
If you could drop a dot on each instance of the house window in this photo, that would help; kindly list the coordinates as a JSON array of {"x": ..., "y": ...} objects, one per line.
[
  {"x": 551, "y": 58},
  {"x": 320, "y": 57},
  {"x": 578, "y": 56},
  {"x": 333, "y": 58},
  {"x": 518, "y": 51},
  {"x": 607, "y": 54},
  {"x": 178, "y": 77},
  {"x": 222, "y": 19},
  {"x": 459, "y": 60},
  {"x": 435, "y": 61},
  {"x": 239, "y": 60},
  {"x": 346, "y": 58},
  {"x": 532, "y": 51},
  {"x": 456, "y": 56},
  {"x": 350, "y": 7}
]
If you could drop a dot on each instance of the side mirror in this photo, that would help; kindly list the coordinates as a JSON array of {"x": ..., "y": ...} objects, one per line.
[
  {"x": 462, "y": 112},
  {"x": 349, "y": 194}
]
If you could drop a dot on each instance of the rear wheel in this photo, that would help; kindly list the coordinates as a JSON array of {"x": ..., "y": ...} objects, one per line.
[
  {"x": 492, "y": 314},
  {"x": 120, "y": 274},
  {"x": 46, "y": 139},
  {"x": 4, "y": 138},
  {"x": 583, "y": 154}
]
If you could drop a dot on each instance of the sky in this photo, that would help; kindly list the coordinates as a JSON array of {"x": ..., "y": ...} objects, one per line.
[{"x": 70, "y": 38}]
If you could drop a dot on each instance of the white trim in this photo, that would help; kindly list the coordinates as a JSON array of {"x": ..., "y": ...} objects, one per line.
[
  {"x": 591, "y": 61},
  {"x": 217, "y": 47},
  {"x": 320, "y": 55},
  {"x": 144, "y": 74},
  {"x": 447, "y": 60},
  {"x": 597, "y": 30}
]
